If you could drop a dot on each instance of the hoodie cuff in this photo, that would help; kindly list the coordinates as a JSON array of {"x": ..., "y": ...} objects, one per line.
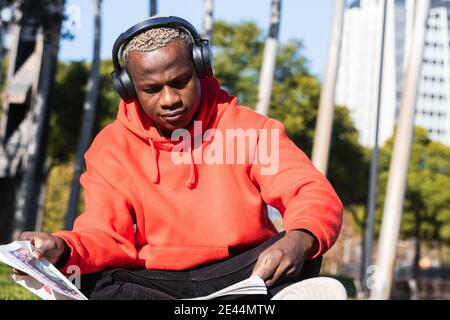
[
  {"x": 314, "y": 229},
  {"x": 70, "y": 257}
]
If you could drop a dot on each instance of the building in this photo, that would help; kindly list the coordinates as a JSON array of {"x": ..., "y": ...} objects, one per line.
[{"x": 358, "y": 77}]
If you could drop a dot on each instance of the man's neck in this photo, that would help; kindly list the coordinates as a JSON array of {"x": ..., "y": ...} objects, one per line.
[{"x": 164, "y": 132}]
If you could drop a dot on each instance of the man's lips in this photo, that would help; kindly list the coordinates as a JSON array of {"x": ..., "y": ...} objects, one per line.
[{"x": 174, "y": 115}]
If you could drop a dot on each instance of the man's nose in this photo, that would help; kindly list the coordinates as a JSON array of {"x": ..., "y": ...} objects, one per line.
[{"x": 170, "y": 98}]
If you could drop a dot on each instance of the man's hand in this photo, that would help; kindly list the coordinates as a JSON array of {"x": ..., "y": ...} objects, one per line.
[
  {"x": 47, "y": 246},
  {"x": 284, "y": 259}
]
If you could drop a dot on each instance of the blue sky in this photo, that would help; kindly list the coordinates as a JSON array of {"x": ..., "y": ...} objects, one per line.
[{"x": 301, "y": 19}]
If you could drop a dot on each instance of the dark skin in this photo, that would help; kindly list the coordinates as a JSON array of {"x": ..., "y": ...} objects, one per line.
[
  {"x": 169, "y": 92},
  {"x": 166, "y": 83}
]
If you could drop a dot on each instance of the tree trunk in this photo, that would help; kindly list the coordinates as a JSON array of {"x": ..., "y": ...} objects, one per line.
[
  {"x": 87, "y": 123},
  {"x": 42, "y": 197},
  {"x": 208, "y": 19},
  {"x": 417, "y": 253}
]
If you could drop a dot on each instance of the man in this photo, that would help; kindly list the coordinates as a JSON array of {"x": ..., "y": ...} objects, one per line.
[{"x": 176, "y": 188}]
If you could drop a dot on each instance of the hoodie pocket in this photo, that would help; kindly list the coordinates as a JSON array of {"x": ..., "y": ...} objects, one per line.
[{"x": 180, "y": 257}]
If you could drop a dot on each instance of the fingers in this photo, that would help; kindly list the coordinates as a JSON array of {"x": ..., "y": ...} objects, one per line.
[
  {"x": 271, "y": 266},
  {"x": 279, "y": 273},
  {"x": 31, "y": 236},
  {"x": 18, "y": 272},
  {"x": 43, "y": 243},
  {"x": 38, "y": 254},
  {"x": 265, "y": 266},
  {"x": 275, "y": 265},
  {"x": 26, "y": 236}
]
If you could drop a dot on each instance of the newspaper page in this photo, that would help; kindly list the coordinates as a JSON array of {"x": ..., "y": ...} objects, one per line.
[
  {"x": 42, "y": 278},
  {"x": 252, "y": 285}
]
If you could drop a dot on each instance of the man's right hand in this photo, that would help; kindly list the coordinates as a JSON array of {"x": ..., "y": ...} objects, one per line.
[{"x": 47, "y": 246}]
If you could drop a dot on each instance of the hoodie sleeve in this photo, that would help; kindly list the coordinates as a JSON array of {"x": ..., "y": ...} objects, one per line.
[
  {"x": 289, "y": 182},
  {"x": 103, "y": 236}
]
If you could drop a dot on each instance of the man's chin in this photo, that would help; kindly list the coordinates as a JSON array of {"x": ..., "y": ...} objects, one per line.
[
  {"x": 167, "y": 129},
  {"x": 174, "y": 125}
]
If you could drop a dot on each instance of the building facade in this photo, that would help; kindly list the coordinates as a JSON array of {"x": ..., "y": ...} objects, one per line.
[{"x": 360, "y": 60}]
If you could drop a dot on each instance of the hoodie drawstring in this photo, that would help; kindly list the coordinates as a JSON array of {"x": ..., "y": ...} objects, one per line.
[
  {"x": 156, "y": 177},
  {"x": 190, "y": 183}
]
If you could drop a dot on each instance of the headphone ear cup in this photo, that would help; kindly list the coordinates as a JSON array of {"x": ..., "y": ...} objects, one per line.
[
  {"x": 207, "y": 58},
  {"x": 124, "y": 86},
  {"x": 197, "y": 59},
  {"x": 128, "y": 85}
]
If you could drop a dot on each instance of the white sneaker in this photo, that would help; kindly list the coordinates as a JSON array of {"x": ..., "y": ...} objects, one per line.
[{"x": 321, "y": 288}]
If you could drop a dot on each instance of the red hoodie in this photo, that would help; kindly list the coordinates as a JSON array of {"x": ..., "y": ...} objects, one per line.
[{"x": 145, "y": 210}]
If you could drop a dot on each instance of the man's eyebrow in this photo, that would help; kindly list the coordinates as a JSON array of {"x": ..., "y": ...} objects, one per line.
[{"x": 181, "y": 75}]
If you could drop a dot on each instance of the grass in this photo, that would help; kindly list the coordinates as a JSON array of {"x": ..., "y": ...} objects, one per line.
[{"x": 10, "y": 290}]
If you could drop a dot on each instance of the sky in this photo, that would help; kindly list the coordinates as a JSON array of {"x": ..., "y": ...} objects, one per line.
[{"x": 307, "y": 20}]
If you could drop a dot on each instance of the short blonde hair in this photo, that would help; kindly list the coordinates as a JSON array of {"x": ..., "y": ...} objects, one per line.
[{"x": 154, "y": 39}]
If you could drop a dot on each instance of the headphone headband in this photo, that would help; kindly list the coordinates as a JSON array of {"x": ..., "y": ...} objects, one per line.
[
  {"x": 201, "y": 52},
  {"x": 145, "y": 25}
]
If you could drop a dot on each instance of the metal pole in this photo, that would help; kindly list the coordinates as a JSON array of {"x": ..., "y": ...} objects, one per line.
[
  {"x": 208, "y": 19},
  {"x": 400, "y": 159},
  {"x": 269, "y": 60},
  {"x": 153, "y": 7},
  {"x": 373, "y": 182},
  {"x": 324, "y": 125}
]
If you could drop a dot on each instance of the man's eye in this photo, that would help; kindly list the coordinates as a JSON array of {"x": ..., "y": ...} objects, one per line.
[
  {"x": 152, "y": 90},
  {"x": 180, "y": 84}
]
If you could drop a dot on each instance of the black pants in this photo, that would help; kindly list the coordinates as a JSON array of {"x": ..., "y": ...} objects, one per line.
[{"x": 204, "y": 280}]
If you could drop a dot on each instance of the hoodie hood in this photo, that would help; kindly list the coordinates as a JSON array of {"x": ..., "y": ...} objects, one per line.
[{"x": 136, "y": 120}]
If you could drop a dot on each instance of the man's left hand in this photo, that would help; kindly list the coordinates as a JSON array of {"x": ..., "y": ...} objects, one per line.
[{"x": 284, "y": 259}]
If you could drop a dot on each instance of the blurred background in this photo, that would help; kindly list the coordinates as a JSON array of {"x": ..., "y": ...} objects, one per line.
[{"x": 363, "y": 87}]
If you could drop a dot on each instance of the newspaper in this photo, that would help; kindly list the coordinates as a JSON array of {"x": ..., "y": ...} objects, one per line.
[
  {"x": 252, "y": 285},
  {"x": 42, "y": 278}
]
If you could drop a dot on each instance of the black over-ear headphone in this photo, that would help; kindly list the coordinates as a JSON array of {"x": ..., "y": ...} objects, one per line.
[{"x": 201, "y": 53}]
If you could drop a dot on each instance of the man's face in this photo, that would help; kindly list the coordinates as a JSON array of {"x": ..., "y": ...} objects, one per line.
[{"x": 166, "y": 84}]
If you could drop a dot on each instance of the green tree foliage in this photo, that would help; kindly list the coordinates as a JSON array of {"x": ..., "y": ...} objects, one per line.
[
  {"x": 237, "y": 59},
  {"x": 58, "y": 190},
  {"x": 349, "y": 161},
  {"x": 66, "y": 105},
  {"x": 427, "y": 200},
  {"x": 426, "y": 209}
]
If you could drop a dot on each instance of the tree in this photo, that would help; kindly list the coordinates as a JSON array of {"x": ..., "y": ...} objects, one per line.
[
  {"x": 426, "y": 215},
  {"x": 66, "y": 101},
  {"x": 65, "y": 122}
]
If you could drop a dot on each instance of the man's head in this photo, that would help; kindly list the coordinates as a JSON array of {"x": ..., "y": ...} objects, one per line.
[
  {"x": 159, "y": 48},
  {"x": 159, "y": 61}
]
